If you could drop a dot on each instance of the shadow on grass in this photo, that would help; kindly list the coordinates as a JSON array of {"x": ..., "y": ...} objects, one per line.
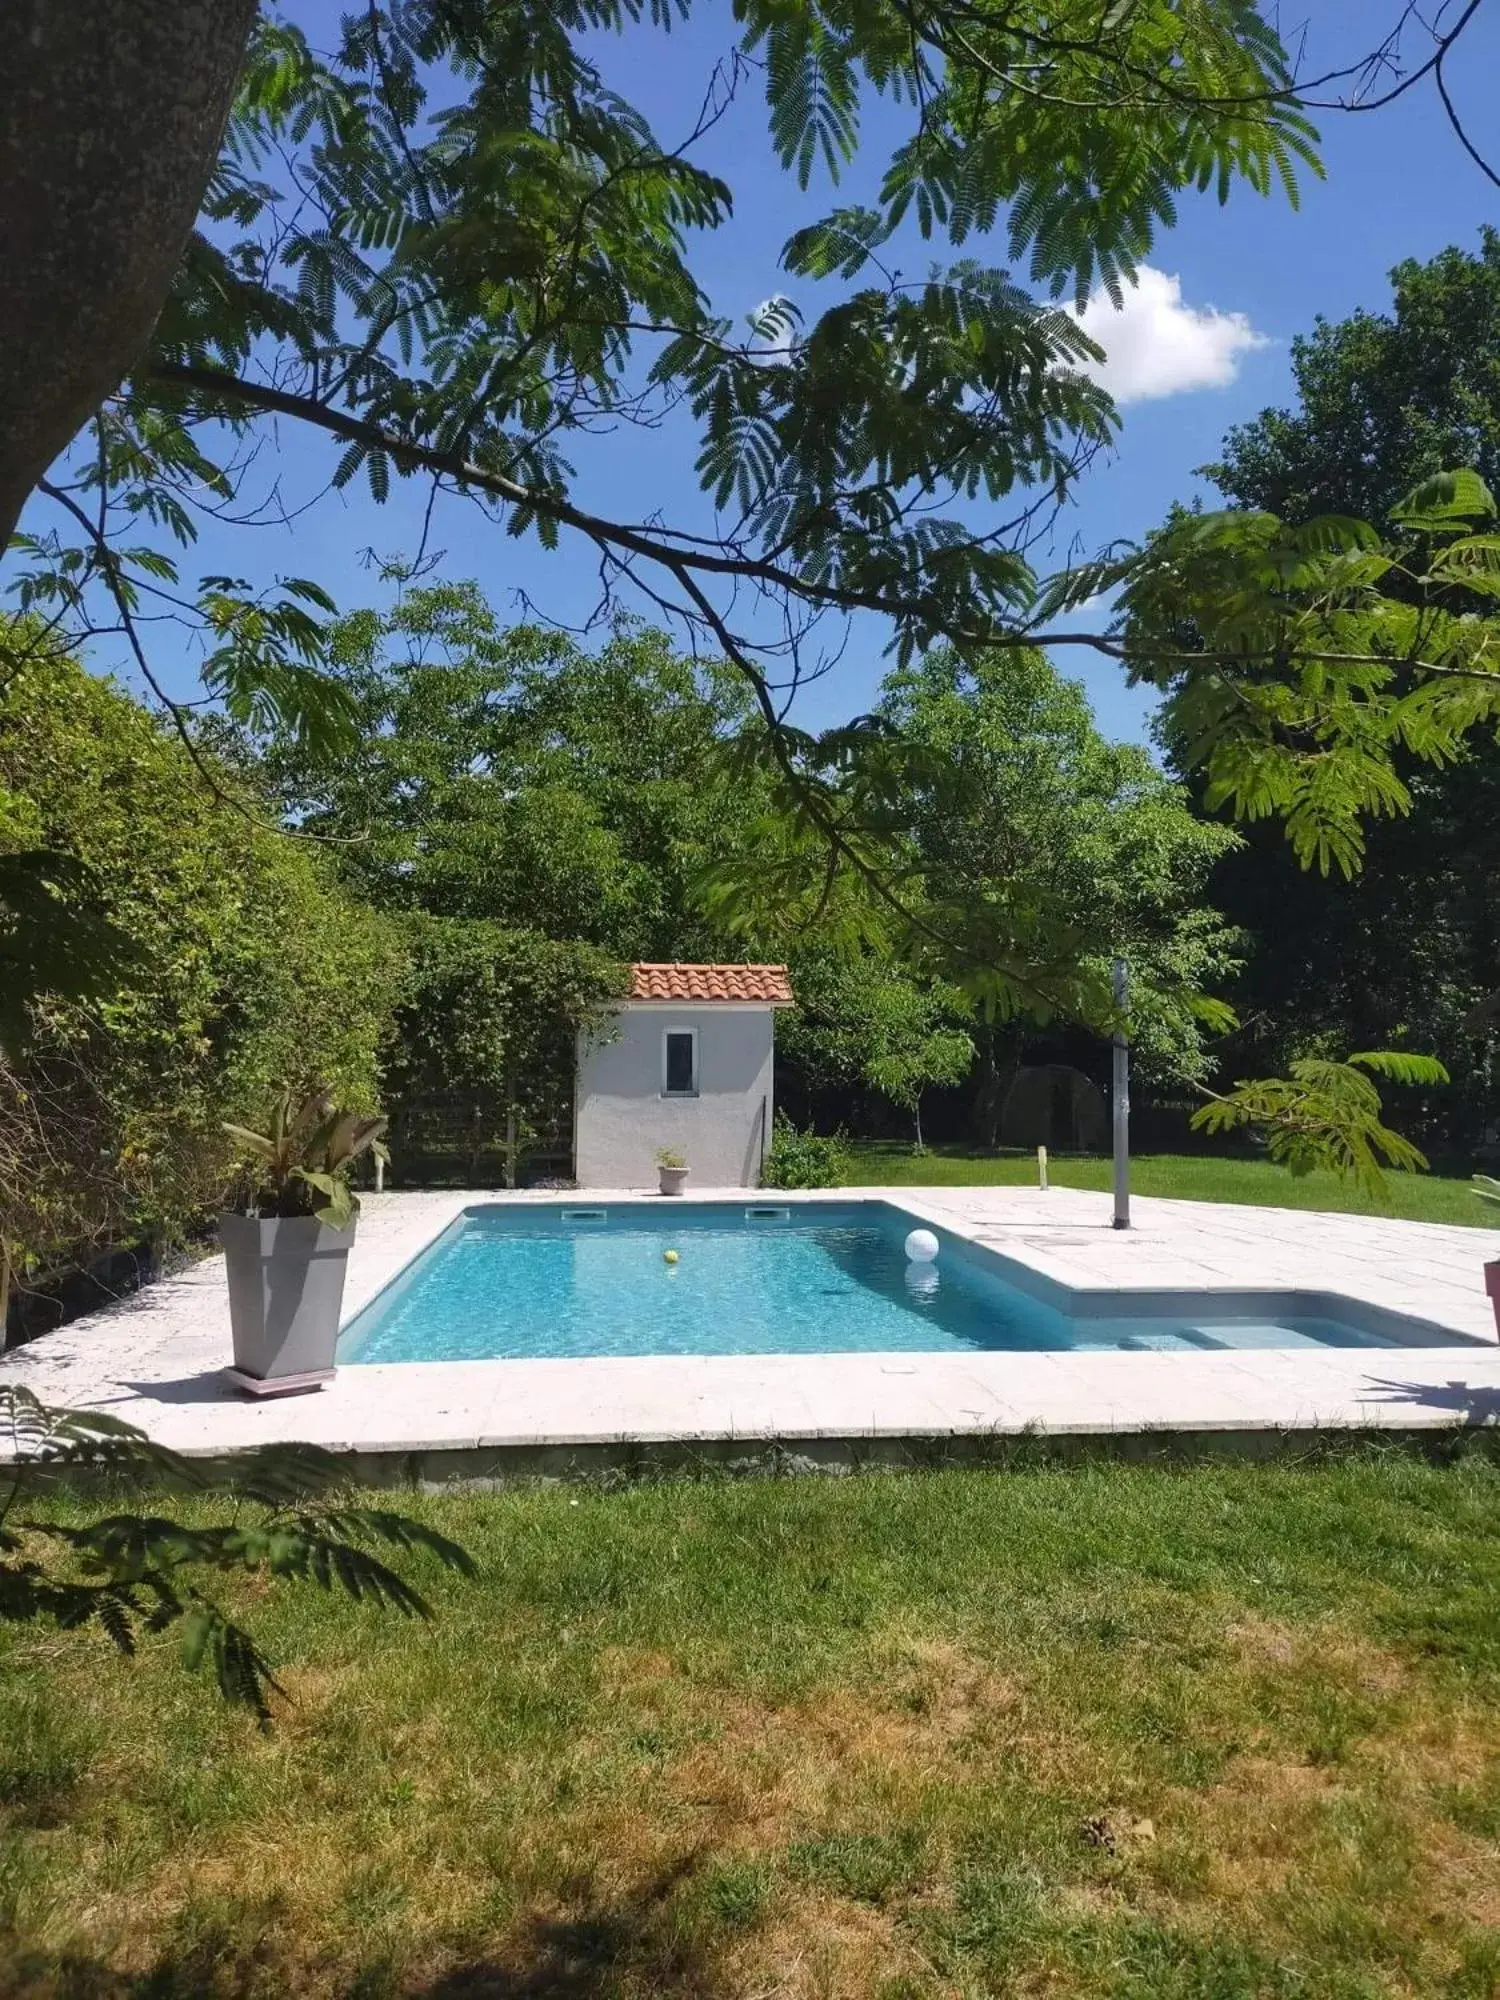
[
  {"x": 586, "y": 1958},
  {"x": 639, "y": 1943},
  {"x": 589, "y": 1960}
]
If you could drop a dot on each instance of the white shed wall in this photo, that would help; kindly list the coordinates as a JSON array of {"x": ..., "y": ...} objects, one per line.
[{"x": 623, "y": 1116}]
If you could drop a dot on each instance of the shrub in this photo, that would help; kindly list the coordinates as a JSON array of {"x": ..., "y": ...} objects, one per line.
[
  {"x": 249, "y": 970},
  {"x": 490, "y": 1016},
  {"x": 804, "y": 1160}
]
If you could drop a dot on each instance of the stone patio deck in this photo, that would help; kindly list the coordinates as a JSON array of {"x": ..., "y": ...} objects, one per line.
[{"x": 157, "y": 1358}]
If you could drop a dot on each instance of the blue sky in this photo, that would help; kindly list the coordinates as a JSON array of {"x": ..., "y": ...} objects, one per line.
[{"x": 1203, "y": 343}]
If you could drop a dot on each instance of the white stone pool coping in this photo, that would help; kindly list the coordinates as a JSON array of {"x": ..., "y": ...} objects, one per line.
[{"x": 158, "y": 1357}]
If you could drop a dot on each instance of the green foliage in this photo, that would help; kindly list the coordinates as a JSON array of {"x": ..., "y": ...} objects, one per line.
[
  {"x": 1302, "y": 659},
  {"x": 246, "y": 967},
  {"x": 301, "y": 1166},
  {"x": 535, "y": 812},
  {"x": 673, "y": 1161},
  {"x": 136, "y": 1576},
  {"x": 914, "y": 1057},
  {"x": 447, "y": 243},
  {"x": 493, "y": 1014},
  {"x": 1314, "y": 659},
  {"x": 804, "y": 1159},
  {"x": 511, "y": 776},
  {"x": 992, "y": 841},
  {"x": 1384, "y": 399},
  {"x": 627, "y": 800},
  {"x": 864, "y": 1019},
  {"x": 53, "y": 939},
  {"x": 1036, "y": 829},
  {"x": 1327, "y": 1114},
  {"x": 1406, "y": 947}
]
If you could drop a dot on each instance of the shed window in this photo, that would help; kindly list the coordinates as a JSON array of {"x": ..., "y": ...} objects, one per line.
[{"x": 681, "y": 1063}]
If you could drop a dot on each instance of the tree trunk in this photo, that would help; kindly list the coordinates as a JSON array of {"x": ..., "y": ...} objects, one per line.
[
  {"x": 111, "y": 116},
  {"x": 1000, "y": 1052},
  {"x": 916, "y": 1112},
  {"x": 511, "y": 1147}
]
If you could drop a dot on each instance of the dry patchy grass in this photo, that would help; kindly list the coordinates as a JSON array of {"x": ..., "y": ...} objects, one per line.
[{"x": 1198, "y": 1734}]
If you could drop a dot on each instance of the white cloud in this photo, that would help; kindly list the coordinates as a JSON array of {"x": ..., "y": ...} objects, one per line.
[
  {"x": 1094, "y": 607},
  {"x": 1156, "y": 345}
]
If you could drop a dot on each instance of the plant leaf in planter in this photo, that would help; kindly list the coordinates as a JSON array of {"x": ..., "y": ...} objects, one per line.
[
  {"x": 307, "y": 1155},
  {"x": 338, "y": 1206},
  {"x": 253, "y": 1142}
]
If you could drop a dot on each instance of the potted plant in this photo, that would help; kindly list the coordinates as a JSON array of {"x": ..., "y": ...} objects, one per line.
[
  {"x": 287, "y": 1247},
  {"x": 1488, "y": 1189},
  {"x": 672, "y": 1171}
]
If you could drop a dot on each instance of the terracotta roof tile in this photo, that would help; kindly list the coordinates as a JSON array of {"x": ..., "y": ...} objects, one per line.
[{"x": 765, "y": 983}]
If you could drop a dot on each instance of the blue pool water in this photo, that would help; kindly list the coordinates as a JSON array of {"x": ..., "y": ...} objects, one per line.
[{"x": 749, "y": 1279}]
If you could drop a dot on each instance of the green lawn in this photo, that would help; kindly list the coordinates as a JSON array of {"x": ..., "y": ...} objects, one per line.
[
  {"x": 1215, "y": 1733},
  {"x": 1189, "y": 1176}
]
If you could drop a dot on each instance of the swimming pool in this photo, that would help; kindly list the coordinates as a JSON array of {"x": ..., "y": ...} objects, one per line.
[{"x": 767, "y": 1277}]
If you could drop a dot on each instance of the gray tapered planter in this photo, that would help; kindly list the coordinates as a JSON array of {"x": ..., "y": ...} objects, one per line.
[{"x": 286, "y": 1292}]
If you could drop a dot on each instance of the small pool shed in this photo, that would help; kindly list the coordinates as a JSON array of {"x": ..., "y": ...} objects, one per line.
[{"x": 687, "y": 1065}]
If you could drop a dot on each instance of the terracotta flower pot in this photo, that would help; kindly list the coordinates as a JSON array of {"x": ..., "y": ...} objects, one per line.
[
  {"x": 286, "y": 1294},
  {"x": 1492, "y": 1286}
]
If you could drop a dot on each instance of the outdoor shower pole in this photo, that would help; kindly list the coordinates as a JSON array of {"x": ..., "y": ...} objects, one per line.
[{"x": 1120, "y": 1099}]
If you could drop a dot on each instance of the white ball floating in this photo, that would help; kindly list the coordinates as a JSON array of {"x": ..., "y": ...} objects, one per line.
[{"x": 921, "y": 1246}]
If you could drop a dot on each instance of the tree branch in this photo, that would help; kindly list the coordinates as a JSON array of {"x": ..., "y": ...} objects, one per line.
[
  {"x": 668, "y": 553},
  {"x": 108, "y": 564}
]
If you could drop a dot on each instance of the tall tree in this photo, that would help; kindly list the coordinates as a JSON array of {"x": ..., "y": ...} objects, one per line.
[
  {"x": 1404, "y": 949},
  {"x": 514, "y": 776},
  {"x": 1033, "y": 825},
  {"x": 862, "y": 1018},
  {"x": 111, "y": 116},
  {"x": 448, "y": 247},
  {"x": 1027, "y": 852},
  {"x": 1384, "y": 399}
]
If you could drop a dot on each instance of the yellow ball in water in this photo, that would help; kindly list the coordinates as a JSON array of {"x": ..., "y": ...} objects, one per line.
[{"x": 669, "y": 1256}]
